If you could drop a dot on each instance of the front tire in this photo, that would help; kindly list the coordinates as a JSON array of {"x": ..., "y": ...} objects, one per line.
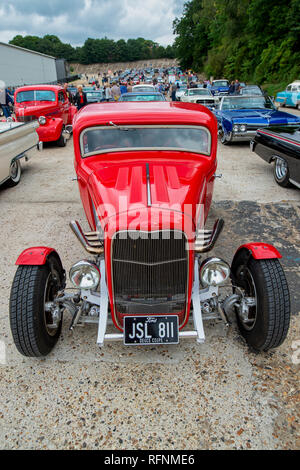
[
  {"x": 224, "y": 141},
  {"x": 62, "y": 141},
  {"x": 267, "y": 323},
  {"x": 30, "y": 323}
]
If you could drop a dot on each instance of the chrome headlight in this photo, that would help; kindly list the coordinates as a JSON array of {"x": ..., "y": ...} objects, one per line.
[
  {"x": 42, "y": 120},
  {"x": 235, "y": 128},
  {"x": 84, "y": 275},
  {"x": 243, "y": 127},
  {"x": 214, "y": 272}
]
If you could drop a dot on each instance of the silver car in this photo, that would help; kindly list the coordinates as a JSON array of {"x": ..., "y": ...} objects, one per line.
[{"x": 16, "y": 142}]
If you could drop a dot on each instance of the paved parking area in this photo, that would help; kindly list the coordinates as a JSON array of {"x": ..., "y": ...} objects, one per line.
[{"x": 218, "y": 395}]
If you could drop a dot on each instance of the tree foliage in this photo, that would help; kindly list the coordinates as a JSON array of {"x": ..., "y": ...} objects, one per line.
[
  {"x": 96, "y": 50},
  {"x": 255, "y": 40}
]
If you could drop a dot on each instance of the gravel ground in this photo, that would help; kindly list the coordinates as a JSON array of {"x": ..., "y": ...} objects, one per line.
[{"x": 218, "y": 395}]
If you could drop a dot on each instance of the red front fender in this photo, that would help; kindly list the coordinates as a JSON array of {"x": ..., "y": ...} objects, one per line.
[
  {"x": 72, "y": 112},
  {"x": 35, "y": 256},
  {"x": 260, "y": 250},
  {"x": 50, "y": 131}
]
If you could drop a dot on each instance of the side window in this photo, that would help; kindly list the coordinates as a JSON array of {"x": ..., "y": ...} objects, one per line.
[
  {"x": 289, "y": 88},
  {"x": 294, "y": 88},
  {"x": 61, "y": 97}
]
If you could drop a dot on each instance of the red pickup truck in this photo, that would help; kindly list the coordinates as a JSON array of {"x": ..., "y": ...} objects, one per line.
[{"x": 49, "y": 104}]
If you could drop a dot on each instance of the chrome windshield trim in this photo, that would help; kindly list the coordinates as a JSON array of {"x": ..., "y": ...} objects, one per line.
[{"x": 115, "y": 127}]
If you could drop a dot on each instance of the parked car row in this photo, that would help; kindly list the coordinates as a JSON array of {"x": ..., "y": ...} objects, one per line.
[{"x": 147, "y": 267}]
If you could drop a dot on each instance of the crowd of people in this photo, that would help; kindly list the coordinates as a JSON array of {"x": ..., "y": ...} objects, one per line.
[{"x": 112, "y": 89}]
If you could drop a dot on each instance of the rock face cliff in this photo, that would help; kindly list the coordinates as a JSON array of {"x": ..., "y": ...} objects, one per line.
[{"x": 96, "y": 68}]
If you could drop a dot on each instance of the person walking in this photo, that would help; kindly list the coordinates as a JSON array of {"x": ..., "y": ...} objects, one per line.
[
  {"x": 69, "y": 94},
  {"x": 80, "y": 98},
  {"x": 123, "y": 88},
  {"x": 5, "y": 99},
  {"x": 237, "y": 87},
  {"x": 231, "y": 88},
  {"x": 173, "y": 91},
  {"x": 107, "y": 92},
  {"x": 115, "y": 91}
]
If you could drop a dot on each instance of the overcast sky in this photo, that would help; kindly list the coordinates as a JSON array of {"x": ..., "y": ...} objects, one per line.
[{"x": 73, "y": 21}]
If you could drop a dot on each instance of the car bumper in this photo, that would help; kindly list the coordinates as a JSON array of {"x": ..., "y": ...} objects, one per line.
[{"x": 243, "y": 136}]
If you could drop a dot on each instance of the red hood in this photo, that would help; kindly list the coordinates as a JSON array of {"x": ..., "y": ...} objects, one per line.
[
  {"x": 176, "y": 185},
  {"x": 32, "y": 108}
]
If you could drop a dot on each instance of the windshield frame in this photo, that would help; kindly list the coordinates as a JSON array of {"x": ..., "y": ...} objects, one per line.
[
  {"x": 266, "y": 100},
  {"x": 216, "y": 84},
  {"x": 199, "y": 92},
  {"x": 136, "y": 95},
  {"x": 143, "y": 149}
]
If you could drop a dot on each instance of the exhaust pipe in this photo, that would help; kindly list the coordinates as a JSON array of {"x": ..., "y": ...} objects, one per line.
[{"x": 94, "y": 249}]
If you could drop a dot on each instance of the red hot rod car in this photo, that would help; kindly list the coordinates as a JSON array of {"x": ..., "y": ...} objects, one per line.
[
  {"x": 49, "y": 104},
  {"x": 146, "y": 173}
]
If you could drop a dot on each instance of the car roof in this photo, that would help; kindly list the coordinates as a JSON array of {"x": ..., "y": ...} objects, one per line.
[
  {"x": 138, "y": 93},
  {"x": 40, "y": 87},
  {"x": 143, "y": 113}
]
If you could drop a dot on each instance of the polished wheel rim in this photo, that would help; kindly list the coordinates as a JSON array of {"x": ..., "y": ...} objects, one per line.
[
  {"x": 281, "y": 168},
  {"x": 248, "y": 319},
  {"x": 50, "y": 294},
  {"x": 15, "y": 171}
]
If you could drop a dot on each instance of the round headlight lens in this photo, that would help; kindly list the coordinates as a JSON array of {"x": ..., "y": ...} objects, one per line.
[
  {"x": 214, "y": 272},
  {"x": 84, "y": 275},
  {"x": 235, "y": 128},
  {"x": 243, "y": 128},
  {"x": 42, "y": 120}
]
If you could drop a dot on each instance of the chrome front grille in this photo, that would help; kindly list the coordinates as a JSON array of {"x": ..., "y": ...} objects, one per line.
[
  {"x": 149, "y": 271},
  {"x": 26, "y": 118},
  {"x": 205, "y": 102}
]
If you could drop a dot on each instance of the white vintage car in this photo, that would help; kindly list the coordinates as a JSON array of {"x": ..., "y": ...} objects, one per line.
[
  {"x": 198, "y": 95},
  {"x": 142, "y": 88},
  {"x": 17, "y": 140}
]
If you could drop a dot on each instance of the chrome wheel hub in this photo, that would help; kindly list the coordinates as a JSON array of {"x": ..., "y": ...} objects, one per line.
[{"x": 281, "y": 168}]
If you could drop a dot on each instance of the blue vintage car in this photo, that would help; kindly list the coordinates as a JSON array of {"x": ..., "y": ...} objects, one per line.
[
  {"x": 291, "y": 96},
  {"x": 220, "y": 87},
  {"x": 240, "y": 116}
]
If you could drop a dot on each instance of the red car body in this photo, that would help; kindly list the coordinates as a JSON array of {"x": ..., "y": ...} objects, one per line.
[
  {"x": 59, "y": 112},
  {"x": 102, "y": 182},
  {"x": 146, "y": 173}
]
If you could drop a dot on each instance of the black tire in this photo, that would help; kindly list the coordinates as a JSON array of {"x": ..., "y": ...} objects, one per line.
[
  {"x": 15, "y": 172},
  {"x": 62, "y": 141},
  {"x": 32, "y": 286},
  {"x": 270, "y": 318},
  {"x": 223, "y": 139},
  {"x": 281, "y": 172}
]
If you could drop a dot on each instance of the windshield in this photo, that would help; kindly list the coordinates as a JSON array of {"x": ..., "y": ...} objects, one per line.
[
  {"x": 220, "y": 83},
  {"x": 139, "y": 89},
  {"x": 143, "y": 98},
  {"x": 199, "y": 91},
  {"x": 97, "y": 94},
  {"x": 103, "y": 139},
  {"x": 251, "y": 91},
  {"x": 35, "y": 95},
  {"x": 249, "y": 102}
]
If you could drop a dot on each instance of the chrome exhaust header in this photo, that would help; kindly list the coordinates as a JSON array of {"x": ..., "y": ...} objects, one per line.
[
  {"x": 90, "y": 241},
  {"x": 206, "y": 239}
]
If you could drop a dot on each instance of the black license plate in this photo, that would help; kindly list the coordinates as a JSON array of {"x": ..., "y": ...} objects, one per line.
[{"x": 151, "y": 330}]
